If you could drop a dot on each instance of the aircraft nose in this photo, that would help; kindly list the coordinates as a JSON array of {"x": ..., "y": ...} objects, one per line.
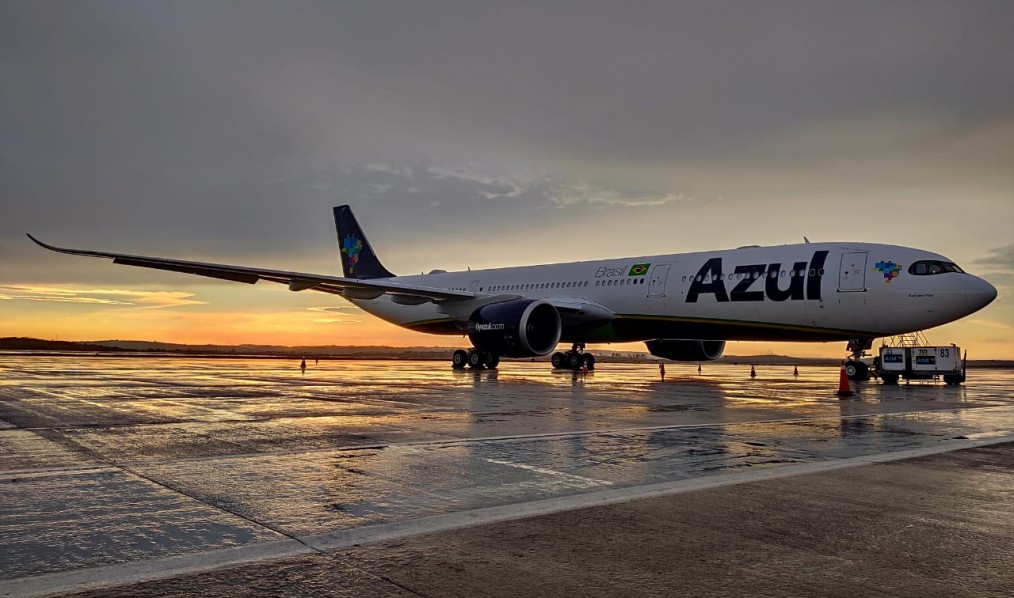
[{"x": 978, "y": 293}]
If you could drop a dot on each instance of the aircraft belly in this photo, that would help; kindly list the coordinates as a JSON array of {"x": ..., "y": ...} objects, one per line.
[
  {"x": 644, "y": 328},
  {"x": 424, "y": 317}
]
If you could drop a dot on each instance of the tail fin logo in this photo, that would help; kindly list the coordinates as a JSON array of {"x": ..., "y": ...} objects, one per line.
[{"x": 351, "y": 246}]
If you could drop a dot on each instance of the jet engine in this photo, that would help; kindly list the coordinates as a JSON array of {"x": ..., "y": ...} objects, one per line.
[
  {"x": 686, "y": 350},
  {"x": 519, "y": 328}
]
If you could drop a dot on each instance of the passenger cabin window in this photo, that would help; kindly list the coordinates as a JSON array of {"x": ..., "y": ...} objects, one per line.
[{"x": 928, "y": 267}]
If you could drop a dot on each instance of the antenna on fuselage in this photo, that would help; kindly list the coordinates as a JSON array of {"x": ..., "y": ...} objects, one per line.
[{"x": 805, "y": 240}]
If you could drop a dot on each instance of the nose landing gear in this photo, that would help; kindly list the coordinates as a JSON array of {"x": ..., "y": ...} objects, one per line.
[{"x": 855, "y": 368}]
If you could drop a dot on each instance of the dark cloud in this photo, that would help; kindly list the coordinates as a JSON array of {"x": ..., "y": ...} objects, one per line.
[
  {"x": 229, "y": 129},
  {"x": 1001, "y": 258},
  {"x": 998, "y": 269}
]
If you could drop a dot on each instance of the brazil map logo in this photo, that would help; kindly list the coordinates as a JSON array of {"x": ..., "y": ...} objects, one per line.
[
  {"x": 889, "y": 269},
  {"x": 638, "y": 270},
  {"x": 351, "y": 247}
]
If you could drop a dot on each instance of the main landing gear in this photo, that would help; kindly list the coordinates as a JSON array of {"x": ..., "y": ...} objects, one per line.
[
  {"x": 575, "y": 359},
  {"x": 475, "y": 359}
]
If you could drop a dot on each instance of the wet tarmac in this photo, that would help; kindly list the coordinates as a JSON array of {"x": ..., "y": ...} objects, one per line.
[{"x": 124, "y": 469}]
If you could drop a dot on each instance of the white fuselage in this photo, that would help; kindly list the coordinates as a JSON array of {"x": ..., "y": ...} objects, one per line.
[{"x": 813, "y": 291}]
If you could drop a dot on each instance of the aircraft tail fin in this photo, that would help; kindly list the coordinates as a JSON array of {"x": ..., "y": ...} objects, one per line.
[{"x": 358, "y": 259}]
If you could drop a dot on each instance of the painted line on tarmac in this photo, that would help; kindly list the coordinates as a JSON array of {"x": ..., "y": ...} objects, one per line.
[
  {"x": 162, "y": 568},
  {"x": 551, "y": 472}
]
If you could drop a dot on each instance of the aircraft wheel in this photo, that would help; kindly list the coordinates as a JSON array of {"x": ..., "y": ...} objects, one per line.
[
  {"x": 574, "y": 360},
  {"x": 589, "y": 360},
  {"x": 852, "y": 370},
  {"x": 557, "y": 360},
  {"x": 460, "y": 359},
  {"x": 475, "y": 360},
  {"x": 490, "y": 360}
]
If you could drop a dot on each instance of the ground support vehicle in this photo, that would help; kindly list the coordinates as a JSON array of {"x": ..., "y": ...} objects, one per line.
[{"x": 921, "y": 363}]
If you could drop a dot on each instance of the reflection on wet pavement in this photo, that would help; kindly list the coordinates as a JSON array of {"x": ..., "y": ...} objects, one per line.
[{"x": 114, "y": 460}]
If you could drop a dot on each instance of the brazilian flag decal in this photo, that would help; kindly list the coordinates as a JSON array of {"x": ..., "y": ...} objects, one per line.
[{"x": 638, "y": 270}]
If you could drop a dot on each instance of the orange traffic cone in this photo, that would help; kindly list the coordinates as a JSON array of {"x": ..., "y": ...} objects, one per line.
[{"x": 844, "y": 388}]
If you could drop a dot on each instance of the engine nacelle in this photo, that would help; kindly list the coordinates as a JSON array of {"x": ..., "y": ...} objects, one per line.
[
  {"x": 686, "y": 350},
  {"x": 520, "y": 328}
]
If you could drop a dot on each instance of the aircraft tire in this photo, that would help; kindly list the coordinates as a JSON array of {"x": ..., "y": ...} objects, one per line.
[
  {"x": 475, "y": 360},
  {"x": 459, "y": 359},
  {"x": 557, "y": 360},
  {"x": 490, "y": 360},
  {"x": 857, "y": 370},
  {"x": 574, "y": 360},
  {"x": 589, "y": 360}
]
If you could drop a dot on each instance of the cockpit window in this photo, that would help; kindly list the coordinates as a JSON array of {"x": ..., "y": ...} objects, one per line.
[{"x": 927, "y": 267}]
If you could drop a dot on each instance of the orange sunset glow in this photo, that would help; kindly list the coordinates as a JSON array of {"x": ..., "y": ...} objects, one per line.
[{"x": 245, "y": 315}]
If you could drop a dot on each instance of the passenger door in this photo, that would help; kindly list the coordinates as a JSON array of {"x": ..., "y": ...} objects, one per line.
[
  {"x": 656, "y": 285},
  {"x": 852, "y": 275}
]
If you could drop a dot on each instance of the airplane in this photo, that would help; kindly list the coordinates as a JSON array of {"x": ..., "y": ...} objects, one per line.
[{"x": 684, "y": 307}]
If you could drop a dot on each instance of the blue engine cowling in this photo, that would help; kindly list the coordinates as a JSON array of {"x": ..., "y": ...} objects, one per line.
[
  {"x": 520, "y": 328},
  {"x": 686, "y": 350}
]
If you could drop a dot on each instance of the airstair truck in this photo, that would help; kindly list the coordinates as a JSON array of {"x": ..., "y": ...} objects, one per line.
[{"x": 921, "y": 363}]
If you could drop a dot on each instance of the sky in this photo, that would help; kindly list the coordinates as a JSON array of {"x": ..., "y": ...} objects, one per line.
[{"x": 479, "y": 134}]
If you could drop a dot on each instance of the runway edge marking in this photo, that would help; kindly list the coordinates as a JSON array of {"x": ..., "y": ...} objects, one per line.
[{"x": 153, "y": 569}]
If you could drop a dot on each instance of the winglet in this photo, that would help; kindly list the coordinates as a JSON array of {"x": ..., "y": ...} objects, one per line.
[
  {"x": 40, "y": 243},
  {"x": 66, "y": 250}
]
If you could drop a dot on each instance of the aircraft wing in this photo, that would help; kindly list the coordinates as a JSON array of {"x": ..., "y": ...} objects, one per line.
[
  {"x": 574, "y": 310},
  {"x": 297, "y": 281}
]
